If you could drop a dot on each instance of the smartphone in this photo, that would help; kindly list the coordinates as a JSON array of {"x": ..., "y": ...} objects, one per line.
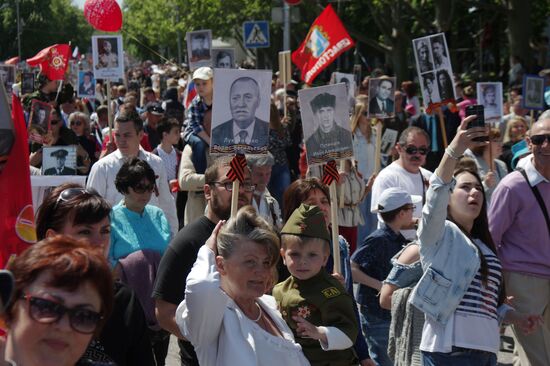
[{"x": 477, "y": 110}]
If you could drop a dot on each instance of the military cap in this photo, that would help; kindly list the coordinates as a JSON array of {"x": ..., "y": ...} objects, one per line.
[
  {"x": 59, "y": 153},
  {"x": 307, "y": 221},
  {"x": 322, "y": 100}
]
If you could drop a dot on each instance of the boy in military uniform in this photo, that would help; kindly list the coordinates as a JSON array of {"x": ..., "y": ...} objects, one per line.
[{"x": 313, "y": 303}]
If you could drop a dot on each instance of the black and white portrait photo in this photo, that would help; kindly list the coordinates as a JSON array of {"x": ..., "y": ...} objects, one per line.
[
  {"x": 86, "y": 84},
  {"x": 108, "y": 57},
  {"x": 199, "y": 44},
  {"x": 430, "y": 91},
  {"x": 7, "y": 76},
  {"x": 381, "y": 94},
  {"x": 533, "y": 91},
  {"x": 424, "y": 60},
  {"x": 27, "y": 83},
  {"x": 57, "y": 160},
  {"x": 240, "y": 116},
  {"x": 223, "y": 58},
  {"x": 445, "y": 84},
  {"x": 325, "y": 123},
  {"x": 490, "y": 96},
  {"x": 439, "y": 52},
  {"x": 349, "y": 82},
  {"x": 39, "y": 120}
]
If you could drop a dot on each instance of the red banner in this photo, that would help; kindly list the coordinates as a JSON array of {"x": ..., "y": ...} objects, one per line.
[
  {"x": 326, "y": 40},
  {"x": 53, "y": 61}
]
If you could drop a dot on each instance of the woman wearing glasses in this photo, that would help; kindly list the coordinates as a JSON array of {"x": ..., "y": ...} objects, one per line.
[
  {"x": 82, "y": 214},
  {"x": 62, "y": 297},
  {"x": 79, "y": 123}
]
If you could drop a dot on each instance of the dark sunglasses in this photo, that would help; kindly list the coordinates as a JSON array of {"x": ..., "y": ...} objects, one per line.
[
  {"x": 76, "y": 123},
  {"x": 71, "y": 193},
  {"x": 142, "y": 188},
  {"x": 412, "y": 150},
  {"x": 46, "y": 312},
  {"x": 539, "y": 139}
]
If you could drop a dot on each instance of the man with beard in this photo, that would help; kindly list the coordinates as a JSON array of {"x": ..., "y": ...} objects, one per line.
[{"x": 182, "y": 252}]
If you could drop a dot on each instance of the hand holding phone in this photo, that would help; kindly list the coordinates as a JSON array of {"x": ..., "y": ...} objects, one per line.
[{"x": 478, "y": 111}]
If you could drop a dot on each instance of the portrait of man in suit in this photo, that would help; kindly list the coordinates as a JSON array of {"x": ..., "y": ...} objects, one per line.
[
  {"x": 60, "y": 168},
  {"x": 329, "y": 139},
  {"x": 382, "y": 105},
  {"x": 244, "y": 128}
]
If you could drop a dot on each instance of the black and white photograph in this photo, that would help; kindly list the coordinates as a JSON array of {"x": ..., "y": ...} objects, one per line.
[
  {"x": 240, "y": 114},
  {"x": 7, "y": 75},
  {"x": 423, "y": 55},
  {"x": 223, "y": 58},
  {"x": 490, "y": 96},
  {"x": 39, "y": 120},
  {"x": 430, "y": 91},
  {"x": 533, "y": 92},
  {"x": 199, "y": 44},
  {"x": 86, "y": 84},
  {"x": 59, "y": 160},
  {"x": 445, "y": 84},
  {"x": 325, "y": 121},
  {"x": 389, "y": 138},
  {"x": 108, "y": 57},
  {"x": 349, "y": 82},
  {"x": 381, "y": 94},
  {"x": 27, "y": 83},
  {"x": 440, "y": 52}
]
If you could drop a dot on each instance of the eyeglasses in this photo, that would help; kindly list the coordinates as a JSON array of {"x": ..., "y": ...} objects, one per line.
[
  {"x": 142, "y": 188},
  {"x": 229, "y": 186},
  {"x": 539, "y": 139},
  {"x": 412, "y": 150},
  {"x": 71, "y": 193},
  {"x": 76, "y": 123},
  {"x": 46, "y": 312}
]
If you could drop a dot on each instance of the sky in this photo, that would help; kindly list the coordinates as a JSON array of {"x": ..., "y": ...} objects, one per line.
[{"x": 80, "y": 3}]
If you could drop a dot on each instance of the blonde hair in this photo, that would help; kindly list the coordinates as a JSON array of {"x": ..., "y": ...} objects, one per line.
[
  {"x": 508, "y": 131},
  {"x": 82, "y": 116},
  {"x": 357, "y": 113}
]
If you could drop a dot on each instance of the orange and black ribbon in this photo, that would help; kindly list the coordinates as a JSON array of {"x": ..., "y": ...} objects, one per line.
[
  {"x": 451, "y": 103},
  {"x": 238, "y": 164},
  {"x": 330, "y": 173}
]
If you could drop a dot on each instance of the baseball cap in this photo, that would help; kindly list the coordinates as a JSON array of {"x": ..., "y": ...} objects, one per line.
[
  {"x": 155, "y": 108},
  {"x": 203, "y": 73},
  {"x": 391, "y": 199}
]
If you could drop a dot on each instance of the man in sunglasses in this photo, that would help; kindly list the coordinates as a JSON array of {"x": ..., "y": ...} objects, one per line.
[
  {"x": 406, "y": 172},
  {"x": 520, "y": 226}
]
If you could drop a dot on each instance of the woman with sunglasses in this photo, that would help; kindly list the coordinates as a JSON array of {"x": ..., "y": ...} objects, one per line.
[
  {"x": 136, "y": 225},
  {"x": 79, "y": 122},
  {"x": 461, "y": 291},
  {"x": 83, "y": 214},
  {"x": 62, "y": 298}
]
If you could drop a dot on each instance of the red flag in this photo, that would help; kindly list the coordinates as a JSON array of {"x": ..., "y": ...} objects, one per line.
[
  {"x": 190, "y": 94},
  {"x": 17, "y": 228},
  {"x": 53, "y": 61},
  {"x": 326, "y": 40}
]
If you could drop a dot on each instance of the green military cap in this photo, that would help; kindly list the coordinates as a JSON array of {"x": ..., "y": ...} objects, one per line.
[{"x": 307, "y": 221}]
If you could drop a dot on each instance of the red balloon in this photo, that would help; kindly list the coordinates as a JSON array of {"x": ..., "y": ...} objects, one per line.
[
  {"x": 104, "y": 15},
  {"x": 293, "y": 2}
]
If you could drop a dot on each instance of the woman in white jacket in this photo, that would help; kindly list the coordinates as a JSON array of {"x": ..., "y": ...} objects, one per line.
[{"x": 225, "y": 314}]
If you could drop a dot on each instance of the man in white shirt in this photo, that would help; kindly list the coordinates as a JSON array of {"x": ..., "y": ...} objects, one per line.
[
  {"x": 128, "y": 132},
  {"x": 265, "y": 204},
  {"x": 406, "y": 172}
]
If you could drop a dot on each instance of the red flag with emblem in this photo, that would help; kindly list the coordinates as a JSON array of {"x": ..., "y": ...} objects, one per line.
[
  {"x": 17, "y": 228},
  {"x": 326, "y": 40},
  {"x": 53, "y": 61}
]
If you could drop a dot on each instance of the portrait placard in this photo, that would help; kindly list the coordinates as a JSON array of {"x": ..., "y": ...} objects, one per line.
[
  {"x": 240, "y": 115},
  {"x": 86, "y": 84},
  {"x": 434, "y": 69},
  {"x": 199, "y": 44},
  {"x": 490, "y": 96},
  {"x": 349, "y": 81},
  {"x": 325, "y": 121},
  {"x": 27, "y": 83},
  {"x": 7, "y": 76},
  {"x": 59, "y": 160},
  {"x": 223, "y": 58},
  {"x": 108, "y": 57},
  {"x": 533, "y": 92},
  {"x": 72, "y": 76},
  {"x": 389, "y": 138},
  {"x": 382, "y": 97},
  {"x": 39, "y": 120}
]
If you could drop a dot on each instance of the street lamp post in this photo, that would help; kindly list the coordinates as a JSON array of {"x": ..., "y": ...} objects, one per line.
[{"x": 18, "y": 30}]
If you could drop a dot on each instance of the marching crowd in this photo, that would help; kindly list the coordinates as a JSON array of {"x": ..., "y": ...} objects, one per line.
[{"x": 445, "y": 245}]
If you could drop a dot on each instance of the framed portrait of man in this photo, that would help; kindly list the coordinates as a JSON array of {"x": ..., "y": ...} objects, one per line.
[
  {"x": 350, "y": 83},
  {"x": 86, "y": 84},
  {"x": 39, "y": 120},
  {"x": 533, "y": 92},
  {"x": 325, "y": 117},
  {"x": 440, "y": 53},
  {"x": 59, "y": 160},
  {"x": 430, "y": 91},
  {"x": 490, "y": 96},
  {"x": 27, "y": 83},
  {"x": 223, "y": 58},
  {"x": 7, "y": 76},
  {"x": 108, "y": 57},
  {"x": 381, "y": 94},
  {"x": 240, "y": 114},
  {"x": 199, "y": 45}
]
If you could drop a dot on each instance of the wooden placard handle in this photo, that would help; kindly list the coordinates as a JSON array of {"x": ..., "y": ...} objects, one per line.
[{"x": 334, "y": 221}]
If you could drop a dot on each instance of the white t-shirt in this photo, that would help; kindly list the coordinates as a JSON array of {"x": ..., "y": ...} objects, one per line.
[{"x": 474, "y": 324}]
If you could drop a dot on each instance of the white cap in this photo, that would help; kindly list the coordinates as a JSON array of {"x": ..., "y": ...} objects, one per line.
[
  {"x": 391, "y": 199},
  {"x": 203, "y": 73}
]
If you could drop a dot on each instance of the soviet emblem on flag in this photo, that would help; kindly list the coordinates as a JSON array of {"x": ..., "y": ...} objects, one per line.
[{"x": 317, "y": 42}]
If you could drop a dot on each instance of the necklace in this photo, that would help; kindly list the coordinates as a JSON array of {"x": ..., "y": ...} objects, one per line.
[{"x": 260, "y": 315}]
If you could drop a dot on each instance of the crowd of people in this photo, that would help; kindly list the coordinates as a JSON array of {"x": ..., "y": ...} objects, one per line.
[{"x": 438, "y": 250}]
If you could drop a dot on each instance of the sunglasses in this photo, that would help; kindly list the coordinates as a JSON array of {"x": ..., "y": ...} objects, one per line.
[
  {"x": 44, "y": 311},
  {"x": 539, "y": 139},
  {"x": 72, "y": 193},
  {"x": 412, "y": 150},
  {"x": 142, "y": 188},
  {"x": 76, "y": 123}
]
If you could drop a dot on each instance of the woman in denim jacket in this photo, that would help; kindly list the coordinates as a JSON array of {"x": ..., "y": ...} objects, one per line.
[{"x": 461, "y": 291}]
